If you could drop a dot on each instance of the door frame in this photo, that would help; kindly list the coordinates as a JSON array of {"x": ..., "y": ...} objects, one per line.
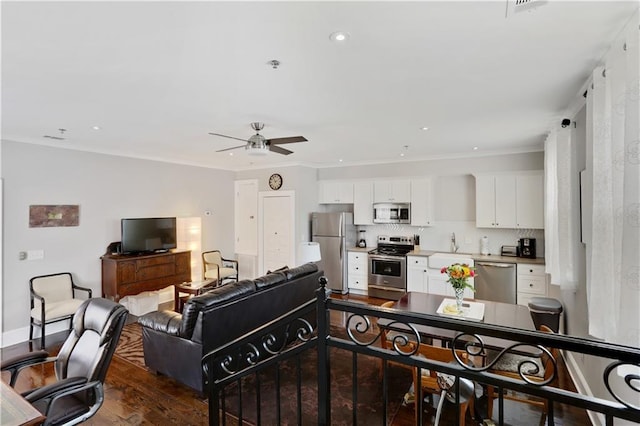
[{"x": 262, "y": 195}]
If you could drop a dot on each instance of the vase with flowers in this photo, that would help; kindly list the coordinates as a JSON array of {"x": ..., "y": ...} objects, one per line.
[{"x": 459, "y": 274}]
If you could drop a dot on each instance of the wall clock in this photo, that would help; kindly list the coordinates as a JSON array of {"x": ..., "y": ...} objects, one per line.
[{"x": 275, "y": 181}]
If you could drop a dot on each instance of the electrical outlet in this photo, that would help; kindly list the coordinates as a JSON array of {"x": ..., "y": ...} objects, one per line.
[{"x": 22, "y": 255}]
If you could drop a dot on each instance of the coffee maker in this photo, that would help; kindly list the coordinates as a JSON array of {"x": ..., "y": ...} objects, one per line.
[{"x": 527, "y": 247}]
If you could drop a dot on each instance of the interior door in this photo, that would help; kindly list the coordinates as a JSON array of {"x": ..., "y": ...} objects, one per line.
[
  {"x": 278, "y": 231},
  {"x": 246, "y": 214}
]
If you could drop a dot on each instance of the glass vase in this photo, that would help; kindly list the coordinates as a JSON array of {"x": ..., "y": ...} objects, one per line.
[{"x": 459, "y": 292}]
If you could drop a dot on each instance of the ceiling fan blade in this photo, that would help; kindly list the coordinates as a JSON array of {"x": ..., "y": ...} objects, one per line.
[
  {"x": 279, "y": 150},
  {"x": 229, "y": 149},
  {"x": 290, "y": 139},
  {"x": 225, "y": 136}
]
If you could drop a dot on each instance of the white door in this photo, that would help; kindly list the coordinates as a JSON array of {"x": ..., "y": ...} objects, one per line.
[
  {"x": 246, "y": 217},
  {"x": 277, "y": 230}
]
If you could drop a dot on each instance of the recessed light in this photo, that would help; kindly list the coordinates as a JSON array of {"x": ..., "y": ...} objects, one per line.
[
  {"x": 402, "y": 154},
  {"x": 96, "y": 127},
  {"x": 339, "y": 36},
  {"x": 475, "y": 148},
  {"x": 340, "y": 160},
  {"x": 231, "y": 154},
  {"x": 424, "y": 128}
]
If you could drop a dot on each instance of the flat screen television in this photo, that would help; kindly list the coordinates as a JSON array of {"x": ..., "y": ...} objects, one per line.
[{"x": 145, "y": 235}]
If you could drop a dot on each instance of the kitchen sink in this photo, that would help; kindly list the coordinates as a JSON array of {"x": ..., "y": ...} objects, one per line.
[{"x": 440, "y": 260}]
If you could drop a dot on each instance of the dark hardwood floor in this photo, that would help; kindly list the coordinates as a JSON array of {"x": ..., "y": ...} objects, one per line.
[{"x": 134, "y": 396}]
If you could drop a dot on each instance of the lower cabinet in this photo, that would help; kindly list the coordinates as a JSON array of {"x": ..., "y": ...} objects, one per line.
[
  {"x": 357, "y": 272},
  {"x": 532, "y": 282},
  {"x": 417, "y": 274}
]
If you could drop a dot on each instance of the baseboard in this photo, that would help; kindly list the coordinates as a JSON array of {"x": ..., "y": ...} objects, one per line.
[
  {"x": 582, "y": 386},
  {"x": 19, "y": 335}
]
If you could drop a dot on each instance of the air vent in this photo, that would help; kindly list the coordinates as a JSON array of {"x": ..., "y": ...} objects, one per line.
[
  {"x": 517, "y": 6},
  {"x": 53, "y": 137}
]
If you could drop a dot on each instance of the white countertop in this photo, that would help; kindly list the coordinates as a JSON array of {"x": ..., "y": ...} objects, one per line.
[{"x": 475, "y": 256}]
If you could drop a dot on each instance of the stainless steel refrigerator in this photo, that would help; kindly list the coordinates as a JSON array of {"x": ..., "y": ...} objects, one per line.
[{"x": 335, "y": 233}]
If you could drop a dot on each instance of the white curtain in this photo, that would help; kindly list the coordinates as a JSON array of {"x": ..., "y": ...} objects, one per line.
[
  {"x": 613, "y": 162},
  {"x": 560, "y": 208}
]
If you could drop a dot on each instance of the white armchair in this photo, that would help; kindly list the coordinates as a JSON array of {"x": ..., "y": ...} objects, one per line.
[
  {"x": 217, "y": 268},
  {"x": 53, "y": 299}
]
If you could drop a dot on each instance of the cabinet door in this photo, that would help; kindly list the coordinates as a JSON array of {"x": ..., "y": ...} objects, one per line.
[
  {"x": 345, "y": 192},
  {"x": 505, "y": 196},
  {"x": 438, "y": 285},
  {"x": 382, "y": 191},
  {"x": 363, "y": 203},
  {"x": 485, "y": 202},
  {"x": 421, "y": 202},
  {"x": 530, "y": 201},
  {"x": 335, "y": 192},
  {"x": 401, "y": 191},
  {"x": 417, "y": 278}
]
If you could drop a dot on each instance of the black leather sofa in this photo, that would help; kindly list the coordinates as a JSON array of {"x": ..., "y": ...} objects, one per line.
[{"x": 174, "y": 343}]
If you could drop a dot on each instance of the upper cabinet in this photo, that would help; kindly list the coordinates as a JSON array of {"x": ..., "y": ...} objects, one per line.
[
  {"x": 335, "y": 192},
  {"x": 530, "y": 201},
  {"x": 422, "y": 204},
  {"x": 363, "y": 203},
  {"x": 510, "y": 201},
  {"x": 392, "y": 191}
]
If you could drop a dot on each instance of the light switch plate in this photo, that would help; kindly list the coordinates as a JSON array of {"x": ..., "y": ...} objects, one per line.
[{"x": 35, "y": 254}]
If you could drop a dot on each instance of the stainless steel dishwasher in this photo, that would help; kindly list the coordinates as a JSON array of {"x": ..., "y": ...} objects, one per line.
[{"x": 495, "y": 281}]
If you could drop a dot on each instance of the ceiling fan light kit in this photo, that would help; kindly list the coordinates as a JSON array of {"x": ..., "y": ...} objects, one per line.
[{"x": 259, "y": 145}]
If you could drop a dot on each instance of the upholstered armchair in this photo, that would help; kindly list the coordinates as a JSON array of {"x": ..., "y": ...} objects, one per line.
[
  {"x": 80, "y": 367},
  {"x": 53, "y": 299},
  {"x": 215, "y": 267}
]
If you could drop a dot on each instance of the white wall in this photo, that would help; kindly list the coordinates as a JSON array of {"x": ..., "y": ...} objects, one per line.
[
  {"x": 302, "y": 180},
  {"x": 107, "y": 188}
]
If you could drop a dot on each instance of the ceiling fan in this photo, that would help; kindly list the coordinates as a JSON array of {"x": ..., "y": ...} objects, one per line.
[{"x": 259, "y": 145}]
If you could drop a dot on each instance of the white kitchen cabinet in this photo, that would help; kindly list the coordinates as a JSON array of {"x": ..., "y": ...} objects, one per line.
[
  {"x": 335, "y": 192},
  {"x": 530, "y": 201},
  {"x": 531, "y": 282},
  {"x": 510, "y": 201},
  {"x": 392, "y": 191},
  {"x": 422, "y": 203},
  {"x": 417, "y": 274},
  {"x": 363, "y": 203},
  {"x": 357, "y": 272}
]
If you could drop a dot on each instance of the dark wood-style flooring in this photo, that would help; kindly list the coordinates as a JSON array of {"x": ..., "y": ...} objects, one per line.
[{"x": 134, "y": 396}]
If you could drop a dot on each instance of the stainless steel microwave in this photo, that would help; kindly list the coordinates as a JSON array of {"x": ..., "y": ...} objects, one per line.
[{"x": 392, "y": 213}]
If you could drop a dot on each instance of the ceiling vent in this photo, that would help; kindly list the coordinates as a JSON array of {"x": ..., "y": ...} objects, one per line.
[{"x": 517, "y": 6}]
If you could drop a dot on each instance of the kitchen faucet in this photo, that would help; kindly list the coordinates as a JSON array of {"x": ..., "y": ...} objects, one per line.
[{"x": 454, "y": 246}]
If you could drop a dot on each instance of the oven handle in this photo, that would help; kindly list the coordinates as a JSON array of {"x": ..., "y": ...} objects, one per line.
[{"x": 379, "y": 287}]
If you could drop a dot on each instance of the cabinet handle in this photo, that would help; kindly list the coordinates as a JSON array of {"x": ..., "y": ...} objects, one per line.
[
  {"x": 530, "y": 285},
  {"x": 531, "y": 270}
]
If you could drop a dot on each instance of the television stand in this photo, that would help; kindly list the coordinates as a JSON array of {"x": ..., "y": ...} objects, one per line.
[{"x": 125, "y": 275}]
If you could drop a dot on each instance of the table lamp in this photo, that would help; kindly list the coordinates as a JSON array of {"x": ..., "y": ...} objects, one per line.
[{"x": 309, "y": 252}]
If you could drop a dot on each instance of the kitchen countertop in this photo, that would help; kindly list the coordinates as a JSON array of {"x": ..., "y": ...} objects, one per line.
[{"x": 477, "y": 257}]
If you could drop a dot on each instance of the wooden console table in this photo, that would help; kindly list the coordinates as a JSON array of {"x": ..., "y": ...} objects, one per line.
[
  {"x": 15, "y": 410},
  {"x": 124, "y": 275}
]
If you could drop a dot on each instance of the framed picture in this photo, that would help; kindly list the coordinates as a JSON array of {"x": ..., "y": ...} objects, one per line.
[{"x": 44, "y": 216}]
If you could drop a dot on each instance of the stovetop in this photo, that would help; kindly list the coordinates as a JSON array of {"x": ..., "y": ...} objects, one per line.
[{"x": 393, "y": 246}]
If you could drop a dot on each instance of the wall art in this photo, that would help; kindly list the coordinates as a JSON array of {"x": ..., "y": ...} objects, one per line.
[{"x": 41, "y": 216}]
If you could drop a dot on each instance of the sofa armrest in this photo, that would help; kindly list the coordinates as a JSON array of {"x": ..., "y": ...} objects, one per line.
[{"x": 164, "y": 321}]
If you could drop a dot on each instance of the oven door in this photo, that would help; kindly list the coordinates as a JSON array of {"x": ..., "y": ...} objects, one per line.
[{"x": 387, "y": 276}]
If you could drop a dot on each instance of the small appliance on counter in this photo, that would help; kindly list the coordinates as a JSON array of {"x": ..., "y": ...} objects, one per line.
[
  {"x": 527, "y": 247},
  {"x": 362, "y": 242},
  {"x": 510, "y": 251}
]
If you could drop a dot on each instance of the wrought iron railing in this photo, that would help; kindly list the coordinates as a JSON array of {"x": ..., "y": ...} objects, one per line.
[{"x": 288, "y": 338}]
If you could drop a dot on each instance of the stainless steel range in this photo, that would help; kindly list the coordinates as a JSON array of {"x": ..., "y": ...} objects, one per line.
[{"x": 388, "y": 267}]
